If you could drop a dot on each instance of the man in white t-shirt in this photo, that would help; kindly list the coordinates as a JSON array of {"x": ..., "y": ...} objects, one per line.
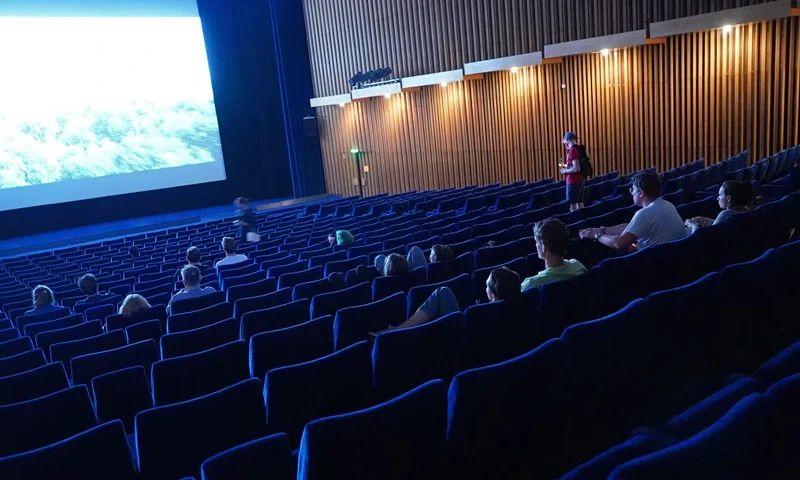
[
  {"x": 231, "y": 257},
  {"x": 657, "y": 222}
]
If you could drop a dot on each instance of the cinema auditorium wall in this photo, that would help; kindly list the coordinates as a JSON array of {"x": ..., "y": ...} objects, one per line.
[{"x": 705, "y": 94}]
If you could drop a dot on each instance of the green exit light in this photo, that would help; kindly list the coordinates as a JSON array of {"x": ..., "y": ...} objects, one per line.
[{"x": 354, "y": 150}]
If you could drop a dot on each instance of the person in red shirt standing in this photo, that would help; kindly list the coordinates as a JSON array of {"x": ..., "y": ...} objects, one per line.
[{"x": 572, "y": 170}]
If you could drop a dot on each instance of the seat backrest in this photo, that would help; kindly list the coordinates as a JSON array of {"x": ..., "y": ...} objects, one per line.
[
  {"x": 382, "y": 287},
  {"x": 33, "y": 383},
  {"x": 353, "y": 324},
  {"x": 32, "y": 329},
  {"x": 337, "y": 383},
  {"x": 460, "y": 285},
  {"x": 275, "y": 318},
  {"x": 197, "y": 303},
  {"x": 402, "y": 438},
  {"x": 83, "y": 330},
  {"x": 330, "y": 303},
  {"x": 86, "y": 367},
  {"x": 199, "y": 318},
  {"x": 122, "y": 394},
  {"x": 150, "y": 329},
  {"x": 42, "y": 317},
  {"x": 730, "y": 448},
  {"x": 22, "y": 362},
  {"x": 100, "y": 452},
  {"x": 266, "y": 457},
  {"x": 66, "y": 351},
  {"x": 260, "y": 287},
  {"x": 405, "y": 358},
  {"x": 44, "y": 420},
  {"x": 290, "y": 346},
  {"x": 497, "y": 331},
  {"x": 269, "y": 300},
  {"x": 189, "y": 376},
  {"x": 173, "y": 441},
  {"x": 119, "y": 321},
  {"x": 516, "y": 419},
  {"x": 199, "y": 339}
]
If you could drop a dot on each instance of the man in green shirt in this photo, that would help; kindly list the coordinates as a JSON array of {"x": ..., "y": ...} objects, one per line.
[{"x": 551, "y": 244}]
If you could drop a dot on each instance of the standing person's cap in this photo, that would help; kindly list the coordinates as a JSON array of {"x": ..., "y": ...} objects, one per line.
[{"x": 570, "y": 136}]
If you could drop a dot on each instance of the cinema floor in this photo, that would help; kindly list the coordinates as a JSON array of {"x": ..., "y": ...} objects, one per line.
[{"x": 132, "y": 226}]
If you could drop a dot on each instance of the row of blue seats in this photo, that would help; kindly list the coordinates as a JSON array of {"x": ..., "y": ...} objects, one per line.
[{"x": 471, "y": 441}]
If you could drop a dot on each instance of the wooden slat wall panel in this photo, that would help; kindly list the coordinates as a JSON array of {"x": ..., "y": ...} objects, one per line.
[
  {"x": 699, "y": 95},
  {"x": 415, "y": 37}
]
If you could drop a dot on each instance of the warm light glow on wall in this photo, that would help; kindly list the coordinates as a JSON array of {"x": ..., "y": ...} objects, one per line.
[
  {"x": 514, "y": 69},
  {"x": 444, "y": 84},
  {"x": 727, "y": 29},
  {"x": 341, "y": 105},
  {"x": 387, "y": 96},
  {"x": 604, "y": 52}
]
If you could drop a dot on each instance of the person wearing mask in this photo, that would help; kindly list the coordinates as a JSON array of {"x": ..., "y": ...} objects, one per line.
[
  {"x": 245, "y": 220},
  {"x": 341, "y": 237},
  {"x": 88, "y": 285},
  {"x": 733, "y": 197},
  {"x": 231, "y": 257},
  {"x": 132, "y": 305},
  {"x": 551, "y": 237},
  {"x": 43, "y": 301},
  {"x": 191, "y": 280},
  {"x": 656, "y": 222},
  {"x": 572, "y": 169}
]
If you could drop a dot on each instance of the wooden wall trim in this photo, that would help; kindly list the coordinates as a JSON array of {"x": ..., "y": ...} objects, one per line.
[{"x": 698, "y": 95}]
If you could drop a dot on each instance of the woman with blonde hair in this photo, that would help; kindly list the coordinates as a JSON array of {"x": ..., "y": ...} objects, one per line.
[
  {"x": 133, "y": 304},
  {"x": 43, "y": 300}
]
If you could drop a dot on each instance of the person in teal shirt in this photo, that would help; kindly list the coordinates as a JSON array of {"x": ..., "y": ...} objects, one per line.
[{"x": 551, "y": 244}]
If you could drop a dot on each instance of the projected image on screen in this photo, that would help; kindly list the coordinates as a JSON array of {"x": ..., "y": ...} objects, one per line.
[{"x": 90, "y": 97}]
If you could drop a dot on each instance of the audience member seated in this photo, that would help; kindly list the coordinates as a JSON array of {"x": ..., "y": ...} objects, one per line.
[
  {"x": 231, "y": 257},
  {"x": 193, "y": 255},
  {"x": 133, "y": 251},
  {"x": 415, "y": 258},
  {"x": 503, "y": 284},
  {"x": 394, "y": 264},
  {"x": 657, "y": 222},
  {"x": 337, "y": 281},
  {"x": 551, "y": 244},
  {"x": 133, "y": 304},
  {"x": 191, "y": 286},
  {"x": 733, "y": 198},
  {"x": 440, "y": 253},
  {"x": 88, "y": 285},
  {"x": 341, "y": 237},
  {"x": 43, "y": 301}
]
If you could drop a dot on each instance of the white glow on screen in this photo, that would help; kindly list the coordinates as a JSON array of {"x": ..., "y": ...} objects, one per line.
[{"x": 84, "y": 98}]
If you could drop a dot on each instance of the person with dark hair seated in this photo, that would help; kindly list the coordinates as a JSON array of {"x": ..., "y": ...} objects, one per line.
[
  {"x": 231, "y": 257},
  {"x": 658, "y": 220},
  {"x": 88, "y": 285},
  {"x": 191, "y": 286},
  {"x": 733, "y": 197},
  {"x": 503, "y": 284},
  {"x": 552, "y": 237},
  {"x": 43, "y": 301},
  {"x": 193, "y": 256},
  {"x": 440, "y": 253}
]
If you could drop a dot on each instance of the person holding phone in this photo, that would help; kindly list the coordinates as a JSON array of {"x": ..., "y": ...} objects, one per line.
[{"x": 572, "y": 169}]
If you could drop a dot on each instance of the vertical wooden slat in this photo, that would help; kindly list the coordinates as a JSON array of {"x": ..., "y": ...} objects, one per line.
[{"x": 699, "y": 95}]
